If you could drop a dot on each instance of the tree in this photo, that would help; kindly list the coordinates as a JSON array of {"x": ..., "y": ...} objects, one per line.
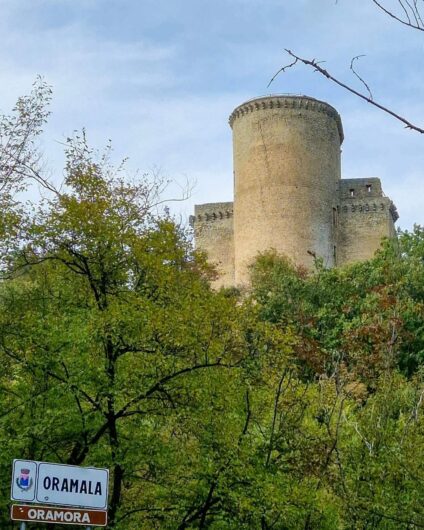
[
  {"x": 367, "y": 314},
  {"x": 360, "y": 350},
  {"x": 285, "y": 407},
  {"x": 115, "y": 352},
  {"x": 106, "y": 320}
]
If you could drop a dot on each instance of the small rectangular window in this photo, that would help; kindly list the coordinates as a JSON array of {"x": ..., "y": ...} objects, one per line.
[
  {"x": 369, "y": 188},
  {"x": 334, "y": 217},
  {"x": 352, "y": 192}
]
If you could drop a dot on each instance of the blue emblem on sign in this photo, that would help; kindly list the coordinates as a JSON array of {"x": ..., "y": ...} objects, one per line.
[{"x": 24, "y": 481}]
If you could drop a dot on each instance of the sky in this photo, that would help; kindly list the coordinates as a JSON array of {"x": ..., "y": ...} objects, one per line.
[{"x": 161, "y": 77}]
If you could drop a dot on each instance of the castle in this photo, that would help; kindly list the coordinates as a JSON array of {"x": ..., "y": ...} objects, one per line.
[{"x": 288, "y": 193}]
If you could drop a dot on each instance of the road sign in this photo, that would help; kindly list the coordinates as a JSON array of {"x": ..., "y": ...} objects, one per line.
[
  {"x": 46, "y": 483},
  {"x": 24, "y": 479},
  {"x": 51, "y": 514}
]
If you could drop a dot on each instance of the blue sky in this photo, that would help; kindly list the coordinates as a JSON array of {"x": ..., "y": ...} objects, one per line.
[{"x": 161, "y": 77}]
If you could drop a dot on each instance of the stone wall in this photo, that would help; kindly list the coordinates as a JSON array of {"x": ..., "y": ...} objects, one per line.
[
  {"x": 286, "y": 173},
  {"x": 213, "y": 232},
  {"x": 366, "y": 217}
]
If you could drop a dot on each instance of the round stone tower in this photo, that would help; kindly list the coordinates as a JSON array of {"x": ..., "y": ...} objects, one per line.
[{"x": 286, "y": 174}]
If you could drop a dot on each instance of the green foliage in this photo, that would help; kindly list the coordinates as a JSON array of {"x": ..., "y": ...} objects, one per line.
[
  {"x": 360, "y": 346},
  {"x": 297, "y": 406},
  {"x": 370, "y": 315}
]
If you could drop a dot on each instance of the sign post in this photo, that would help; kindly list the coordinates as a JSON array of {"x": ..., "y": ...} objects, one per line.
[{"x": 79, "y": 494}]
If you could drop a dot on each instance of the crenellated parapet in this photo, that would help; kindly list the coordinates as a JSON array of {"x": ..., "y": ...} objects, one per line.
[
  {"x": 364, "y": 207},
  {"x": 383, "y": 206},
  {"x": 211, "y": 212},
  {"x": 288, "y": 102}
]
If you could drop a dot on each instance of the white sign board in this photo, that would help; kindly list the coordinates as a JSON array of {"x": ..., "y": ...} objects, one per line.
[
  {"x": 24, "y": 480},
  {"x": 43, "y": 482}
]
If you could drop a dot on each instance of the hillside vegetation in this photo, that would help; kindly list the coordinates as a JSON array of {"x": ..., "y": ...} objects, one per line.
[{"x": 297, "y": 404}]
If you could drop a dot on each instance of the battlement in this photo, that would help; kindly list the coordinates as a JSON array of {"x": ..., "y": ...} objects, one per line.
[
  {"x": 364, "y": 195},
  {"x": 365, "y": 207},
  {"x": 287, "y": 102},
  {"x": 212, "y": 211}
]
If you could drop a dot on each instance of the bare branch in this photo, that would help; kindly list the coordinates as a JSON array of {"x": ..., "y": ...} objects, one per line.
[
  {"x": 316, "y": 65},
  {"x": 415, "y": 11},
  {"x": 282, "y": 70},
  {"x": 358, "y": 76},
  {"x": 408, "y": 18}
]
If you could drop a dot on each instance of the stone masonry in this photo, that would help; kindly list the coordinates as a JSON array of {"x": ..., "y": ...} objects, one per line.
[{"x": 289, "y": 195}]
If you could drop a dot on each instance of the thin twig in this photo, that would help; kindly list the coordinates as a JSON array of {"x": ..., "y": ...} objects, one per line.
[
  {"x": 281, "y": 70},
  {"x": 316, "y": 65},
  {"x": 359, "y": 77},
  {"x": 407, "y": 22}
]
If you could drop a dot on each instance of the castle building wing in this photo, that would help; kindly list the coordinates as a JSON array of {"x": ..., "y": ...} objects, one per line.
[
  {"x": 289, "y": 194},
  {"x": 214, "y": 234},
  {"x": 366, "y": 217}
]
